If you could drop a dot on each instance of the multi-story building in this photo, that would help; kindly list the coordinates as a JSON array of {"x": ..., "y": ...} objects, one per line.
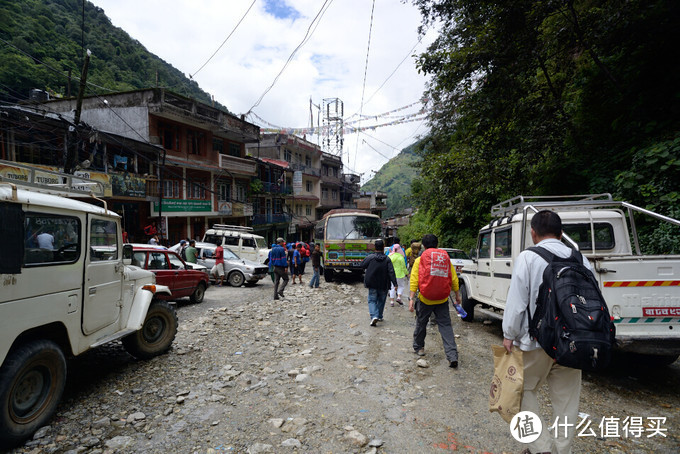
[
  {"x": 202, "y": 176},
  {"x": 301, "y": 161},
  {"x": 331, "y": 184},
  {"x": 375, "y": 202}
]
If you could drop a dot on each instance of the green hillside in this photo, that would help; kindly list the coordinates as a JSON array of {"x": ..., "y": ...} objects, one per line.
[
  {"x": 394, "y": 178},
  {"x": 42, "y": 40}
]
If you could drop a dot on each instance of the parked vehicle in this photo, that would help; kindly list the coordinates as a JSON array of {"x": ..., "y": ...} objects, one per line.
[
  {"x": 67, "y": 288},
  {"x": 459, "y": 259},
  {"x": 193, "y": 266},
  {"x": 241, "y": 240},
  {"x": 346, "y": 237},
  {"x": 237, "y": 271},
  {"x": 172, "y": 271},
  {"x": 642, "y": 291}
]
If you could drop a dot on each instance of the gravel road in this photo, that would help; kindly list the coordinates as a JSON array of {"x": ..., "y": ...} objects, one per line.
[{"x": 248, "y": 374}]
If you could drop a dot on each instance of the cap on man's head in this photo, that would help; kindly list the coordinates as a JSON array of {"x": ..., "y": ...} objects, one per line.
[
  {"x": 183, "y": 242},
  {"x": 280, "y": 240}
]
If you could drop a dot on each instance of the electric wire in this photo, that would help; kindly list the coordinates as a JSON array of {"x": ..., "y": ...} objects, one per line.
[
  {"x": 363, "y": 89},
  {"x": 191, "y": 76},
  {"x": 308, "y": 35}
]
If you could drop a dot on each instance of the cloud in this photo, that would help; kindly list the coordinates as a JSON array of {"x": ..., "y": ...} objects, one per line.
[{"x": 331, "y": 64}]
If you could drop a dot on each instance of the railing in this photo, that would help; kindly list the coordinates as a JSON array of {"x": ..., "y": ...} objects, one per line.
[
  {"x": 237, "y": 165},
  {"x": 276, "y": 188},
  {"x": 260, "y": 219},
  {"x": 306, "y": 169}
]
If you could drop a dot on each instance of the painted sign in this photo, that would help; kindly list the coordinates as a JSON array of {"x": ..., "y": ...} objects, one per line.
[{"x": 179, "y": 205}]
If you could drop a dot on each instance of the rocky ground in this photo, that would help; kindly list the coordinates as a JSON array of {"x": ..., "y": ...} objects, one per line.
[{"x": 248, "y": 374}]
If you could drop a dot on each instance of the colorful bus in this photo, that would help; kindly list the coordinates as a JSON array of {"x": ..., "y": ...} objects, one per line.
[{"x": 346, "y": 237}]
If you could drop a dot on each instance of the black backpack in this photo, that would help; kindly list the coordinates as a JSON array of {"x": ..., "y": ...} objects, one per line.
[{"x": 572, "y": 322}]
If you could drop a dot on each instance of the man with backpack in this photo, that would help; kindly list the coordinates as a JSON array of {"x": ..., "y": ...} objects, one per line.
[
  {"x": 564, "y": 382},
  {"x": 433, "y": 277},
  {"x": 378, "y": 277}
]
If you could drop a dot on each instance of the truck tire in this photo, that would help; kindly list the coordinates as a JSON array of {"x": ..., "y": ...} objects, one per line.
[
  {"x": 328, "y": 275},
  {"x": 157, "y": 333},
  {"x": 31, "y": 384},
  {"x": 199, "y": 293},
  {"x": 467, "y": 303},
  {"x": 236, "y": 279}
]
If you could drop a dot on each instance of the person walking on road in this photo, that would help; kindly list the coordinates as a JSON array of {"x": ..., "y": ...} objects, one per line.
[
  {"x": 379, "y": 275},
  {"x": 399, "y": 263},
  {"x": 297, "y": 258},
  {"x": 433, "y": 277},
  {"x": 280, "y": 264},
  {"x": 218, "y": 269},
  {"x": 563, "y": 382},
  {"x": 316, "y": 265}
]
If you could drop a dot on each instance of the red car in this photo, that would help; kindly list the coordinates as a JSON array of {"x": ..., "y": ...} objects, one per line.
[{"x": 172, "y": 271}]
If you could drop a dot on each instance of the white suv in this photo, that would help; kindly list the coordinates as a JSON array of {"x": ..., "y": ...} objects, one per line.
[
  {"x": 67, "y": 288},
  {"x": 241, "y": 240}
]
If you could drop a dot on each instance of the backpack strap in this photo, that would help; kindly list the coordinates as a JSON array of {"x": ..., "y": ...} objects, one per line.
[{"x": 544, "y": 253}]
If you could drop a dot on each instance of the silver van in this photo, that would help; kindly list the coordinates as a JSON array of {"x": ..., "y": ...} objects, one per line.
[{"x": 241, "y": 240}]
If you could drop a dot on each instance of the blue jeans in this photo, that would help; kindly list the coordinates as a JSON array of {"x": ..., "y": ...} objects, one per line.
[
  {"x": 315, "y": 279},
  {"x": 376, "y": 302}
]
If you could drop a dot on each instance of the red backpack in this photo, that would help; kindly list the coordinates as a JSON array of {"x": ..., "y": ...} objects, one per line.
[{"x": 434, "y": 274}]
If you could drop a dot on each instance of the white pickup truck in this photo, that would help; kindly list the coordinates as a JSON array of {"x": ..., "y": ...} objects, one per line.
[
  {"x": 642, "y": 291},
  {"x": 67, "y": 286}
]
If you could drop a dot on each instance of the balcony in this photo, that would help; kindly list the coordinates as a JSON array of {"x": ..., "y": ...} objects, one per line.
[
  {"x": 260, "y": 219},
  {"x": 306, "y": 169},
  {"x": 237, "y": 165},
  {"x": 275, "y": 188}
]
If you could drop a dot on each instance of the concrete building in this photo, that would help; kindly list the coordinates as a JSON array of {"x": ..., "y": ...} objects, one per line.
[{"x": 201, "y": 177}]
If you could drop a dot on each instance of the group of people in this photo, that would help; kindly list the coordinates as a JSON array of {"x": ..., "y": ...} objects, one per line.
[
  {"x": 431, "y": 280},
  {"x": 294, "y": 257}
]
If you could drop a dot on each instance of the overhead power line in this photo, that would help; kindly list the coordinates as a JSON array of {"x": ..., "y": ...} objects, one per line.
[
  {"x": 191, "y": 76},
  {"x": 363, "y": 89}
]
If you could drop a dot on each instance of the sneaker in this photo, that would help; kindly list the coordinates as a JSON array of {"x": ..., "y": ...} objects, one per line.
[
  {"x": 374, "y": 322},
  {"x": 420, "y": 352},
  {"x": 453, "y": 364},
  {"x": 391, "y": 304},
  {"x": 276, "y": 297},
  {"x": 400, "y": 302},
  {"x": 381, "y": 320},
  {"x": 281, "y": 295}
]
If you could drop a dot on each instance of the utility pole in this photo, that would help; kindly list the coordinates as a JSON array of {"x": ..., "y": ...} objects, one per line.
[{"x": 72, "y": 148}]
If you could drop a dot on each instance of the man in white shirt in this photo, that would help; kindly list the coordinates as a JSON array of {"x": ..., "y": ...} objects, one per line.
[
  {"x": 45, "y": 241},
  {"x": 564, "y": 383}
]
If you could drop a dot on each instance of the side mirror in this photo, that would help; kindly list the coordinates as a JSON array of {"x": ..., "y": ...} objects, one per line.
[{"x": 127, "y": 254}]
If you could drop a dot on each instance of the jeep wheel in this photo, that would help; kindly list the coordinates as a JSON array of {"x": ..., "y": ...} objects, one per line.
[
  {"x": 157, "y": 333},
  {"x": 31, "y": 383},
  {"x": 199, "y": 293},
  {"x": 236, "y": 279},
  {"x": 467, "y": 303}
]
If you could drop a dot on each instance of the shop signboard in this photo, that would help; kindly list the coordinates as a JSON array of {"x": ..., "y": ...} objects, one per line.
[{"x": 179, "y": 205}]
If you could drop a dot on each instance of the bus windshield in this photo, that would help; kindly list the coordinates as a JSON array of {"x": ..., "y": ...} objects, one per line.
[{"x": 353, "y": 227}]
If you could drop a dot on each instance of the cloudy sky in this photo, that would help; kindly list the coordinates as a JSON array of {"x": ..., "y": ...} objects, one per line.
[{"x": 331, "y": 63}]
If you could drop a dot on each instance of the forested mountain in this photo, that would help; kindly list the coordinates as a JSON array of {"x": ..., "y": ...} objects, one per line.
[
  {"x": 42, "y": 40},
  {"x": 547, "y": 98},
  {"x": 394, "y": 178}
]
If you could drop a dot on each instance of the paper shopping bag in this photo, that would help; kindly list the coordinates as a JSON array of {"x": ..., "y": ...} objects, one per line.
[{"x": 505, "y": 394}]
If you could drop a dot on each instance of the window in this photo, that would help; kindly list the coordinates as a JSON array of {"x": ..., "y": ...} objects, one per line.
[
  {"x": 324, "y": 170},
  {"x": 158, "y": 261},
  {"x": 231, "y": 241},
  {"x": 324, "y": 193},
  {"x": 139, "y": 259},
  {"x": 240, "y": 193},
  {"x": 51, "y": 239},
  {"x": 194, "y": 142},
  {"x": 309, "y": 186},
  {"x": 308, "y": 210},
  {"x": 334, "y": 194},
  {"x": 235, "y": 150},
  {"x": 278, "y": 206},
  {"x": 287, "y": 155},
  {"x": 335, "y": 172},
  {"x": 103, "y": 240},
  {"x": 503, "y": 243},
  {"x": 484, "y": 245},
  {"x": 248, "y": 242},
  {"x": 218, "y": 145},
  {"x": 169, "y": 136},
  {"x": 308, "y": 161},
  {"x": 582, "y": 235},
  {"x": 171, "y": 189},
  {"x": 175, "y": 262},
  {"x": 196, "y": 189},
  {"x": 223, "y": 192}
]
